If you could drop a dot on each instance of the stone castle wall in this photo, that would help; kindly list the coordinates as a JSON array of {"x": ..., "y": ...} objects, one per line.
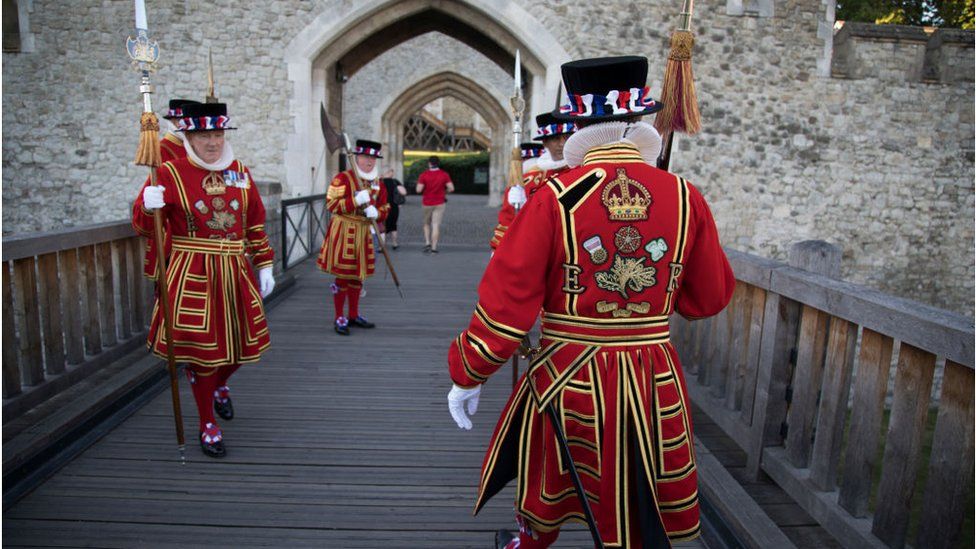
[{"x": 864, "y": 139}]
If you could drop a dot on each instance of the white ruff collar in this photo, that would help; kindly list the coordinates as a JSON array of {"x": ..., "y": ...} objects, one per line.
[
  {"x": 222, "y": 163},
  {"x": 547, "y": 164},
  {"x": 368, "y": 176},
  {"x": 639, "y": 134}
]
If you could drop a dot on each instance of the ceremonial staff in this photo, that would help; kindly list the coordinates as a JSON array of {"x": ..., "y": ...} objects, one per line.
[
  {"x": 515, "y": 173},
  {"x": 144, "y": 54},
  {"x": 211, "y": 96},
  {"x": 680, "y": 112}
]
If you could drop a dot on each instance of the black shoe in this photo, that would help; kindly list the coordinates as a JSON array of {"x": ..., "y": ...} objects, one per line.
[
  {"x": 224, "y": 409},
  {"x": 361, "y": 322},
  {"x": 342, "y": 326},
  {"x": 503, "y": 538},
  {"x": 427, "y": 249},
  {"x": 214, "y": 449},
  {"x": 434, "y": 251}
]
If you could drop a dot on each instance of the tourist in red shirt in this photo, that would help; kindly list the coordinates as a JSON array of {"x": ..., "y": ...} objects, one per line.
[{"x": 434, "y": 184}]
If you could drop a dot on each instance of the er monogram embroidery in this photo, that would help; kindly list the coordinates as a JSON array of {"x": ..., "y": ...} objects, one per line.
[
  {"x": 627, "y": 273},
  {"x": 626, "y": 199}
]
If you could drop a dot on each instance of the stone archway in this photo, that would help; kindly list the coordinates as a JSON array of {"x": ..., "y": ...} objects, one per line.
[
  {"x": 400, "y": 106},
  {"x": 341, "y": 40}
]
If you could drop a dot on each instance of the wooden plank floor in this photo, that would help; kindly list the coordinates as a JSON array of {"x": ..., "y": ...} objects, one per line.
[{"x": 338, "y": 442}]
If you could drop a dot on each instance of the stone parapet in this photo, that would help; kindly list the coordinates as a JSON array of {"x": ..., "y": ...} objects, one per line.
[{"x": 900, "y": 53}]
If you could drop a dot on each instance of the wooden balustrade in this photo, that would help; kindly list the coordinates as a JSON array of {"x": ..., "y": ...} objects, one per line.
[
  {"x": 73, "y": 300},
  {"x": 799, "y": 359}
]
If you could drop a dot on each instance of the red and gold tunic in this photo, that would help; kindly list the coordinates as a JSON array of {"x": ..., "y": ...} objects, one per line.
[
  {"x": 216, "y": 219},
  {"x": 347, "y": 251},
  {"x": 171, "y": 147},
  {"x": 531, "y": 181},
  {"x": 608, "y": 251}
]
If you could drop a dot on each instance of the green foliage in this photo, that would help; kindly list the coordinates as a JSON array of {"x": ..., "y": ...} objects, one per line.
[
  {"x": 935, "y": 13},
  {"x": 460, "y": 166}
]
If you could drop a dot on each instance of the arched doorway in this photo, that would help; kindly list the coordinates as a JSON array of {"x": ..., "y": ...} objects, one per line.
[
  {"x": 415, "y": 95},
  {"x": 338, "y": 43}
]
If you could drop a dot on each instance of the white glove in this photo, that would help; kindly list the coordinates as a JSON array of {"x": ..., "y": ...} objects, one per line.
[
  {"x": 516, "y": 196},
  {"x": 152, "y": 197},
  {"x": 455, "y": 403},
  {"x": 362, "y": 197},
  {"x": 266, "y": 278},
  {"x": 371, "y": 212}
]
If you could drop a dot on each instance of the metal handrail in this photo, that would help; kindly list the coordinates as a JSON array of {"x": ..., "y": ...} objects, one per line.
[{"x": 305, "y": 231}]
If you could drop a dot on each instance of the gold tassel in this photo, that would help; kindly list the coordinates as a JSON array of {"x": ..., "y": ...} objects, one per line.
[
  {"x": 148, "y": 153},
  {"x": 680, "y": 111},
  {"x": 515, "y": 168}
]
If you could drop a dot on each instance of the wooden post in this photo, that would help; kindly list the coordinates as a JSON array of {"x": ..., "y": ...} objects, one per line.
[
  {"x": 755, "y": 326},
  {"x": 89, "y": 279},
  {"x": 833, "y": 404},
  {"x": 11, "y": 347},
  {"x": 25, "y": 293},
  {"x": 51, "y": 316},
  {"x": 106, "y": 309},
  {"x": 870, "y": 388},
  {"x": 950, "y": 479},
  {"x": 120, "y": 257},
  {"x": 903, "y": 444},
  {"x": 71, "y": 292}
]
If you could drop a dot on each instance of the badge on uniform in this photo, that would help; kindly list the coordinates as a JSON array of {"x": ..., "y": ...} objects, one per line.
[{"x": 236, "y": 179}]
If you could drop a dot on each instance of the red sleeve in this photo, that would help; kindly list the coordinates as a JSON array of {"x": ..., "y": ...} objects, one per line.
[
  {"x": 707, "y": 280},
  {"x": 258, "y": 245},
  {"x": 422, "y": 180},
  {"x": 338, "y": 198},
  {"x": 142, "y": 219},
  {"x": 506, "y": 215},
  {"x": 510, "y": 294},
  {"x": 382, "y": 203}
]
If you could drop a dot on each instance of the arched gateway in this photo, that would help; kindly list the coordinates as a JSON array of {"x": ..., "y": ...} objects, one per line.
[
  {"x": 413, "y": 95},
  {"x": 339, "y": 42}
]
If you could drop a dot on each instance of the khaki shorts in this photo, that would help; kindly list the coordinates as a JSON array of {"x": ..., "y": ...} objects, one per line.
[{"x": 433, "y": 215}]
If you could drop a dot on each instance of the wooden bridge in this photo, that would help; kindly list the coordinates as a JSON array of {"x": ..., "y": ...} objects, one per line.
[{"x": 347, "y": 442}]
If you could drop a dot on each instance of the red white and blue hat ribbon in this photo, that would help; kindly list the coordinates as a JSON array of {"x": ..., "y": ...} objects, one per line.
[
  {"x": 368, "y": 151},
  {"x": 175, "y": 113},
  {"x": 531, "y": 153},
  {"x": 202, "y": 123},
  {"x": 615, "y": 102},
  {"x": 550, "y": 130}
]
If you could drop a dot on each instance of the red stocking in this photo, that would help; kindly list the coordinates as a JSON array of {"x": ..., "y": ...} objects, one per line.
[
  {"x": 203, "y": 381},
  {"x": 355, "y": 288},
  {"x": 339, "y": 291},
  {"x": 222, "y": 375}
]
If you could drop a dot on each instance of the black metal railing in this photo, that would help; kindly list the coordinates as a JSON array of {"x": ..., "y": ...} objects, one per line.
[{"x": 303, "y": 222}]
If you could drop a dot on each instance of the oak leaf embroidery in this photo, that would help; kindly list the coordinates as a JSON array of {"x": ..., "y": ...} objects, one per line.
[{"x": 627, "y": 273}]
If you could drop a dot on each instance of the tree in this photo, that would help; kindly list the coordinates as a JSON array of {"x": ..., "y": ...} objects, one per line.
[{"x": 936, "y": 13}]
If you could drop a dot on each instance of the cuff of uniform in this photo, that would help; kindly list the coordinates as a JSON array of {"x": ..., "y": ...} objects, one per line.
[{"x": 264, "y": 264}]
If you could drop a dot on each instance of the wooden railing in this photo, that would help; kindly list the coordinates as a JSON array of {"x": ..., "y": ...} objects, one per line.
[
  {"x": 797, "y": 370},
  {"x": 73, "y": 300}
]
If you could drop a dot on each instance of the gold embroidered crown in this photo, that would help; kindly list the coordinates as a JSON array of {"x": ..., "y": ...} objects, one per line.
[
  {"x": 622, "y": 205},
  {"x": 214, "y": 183}
]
